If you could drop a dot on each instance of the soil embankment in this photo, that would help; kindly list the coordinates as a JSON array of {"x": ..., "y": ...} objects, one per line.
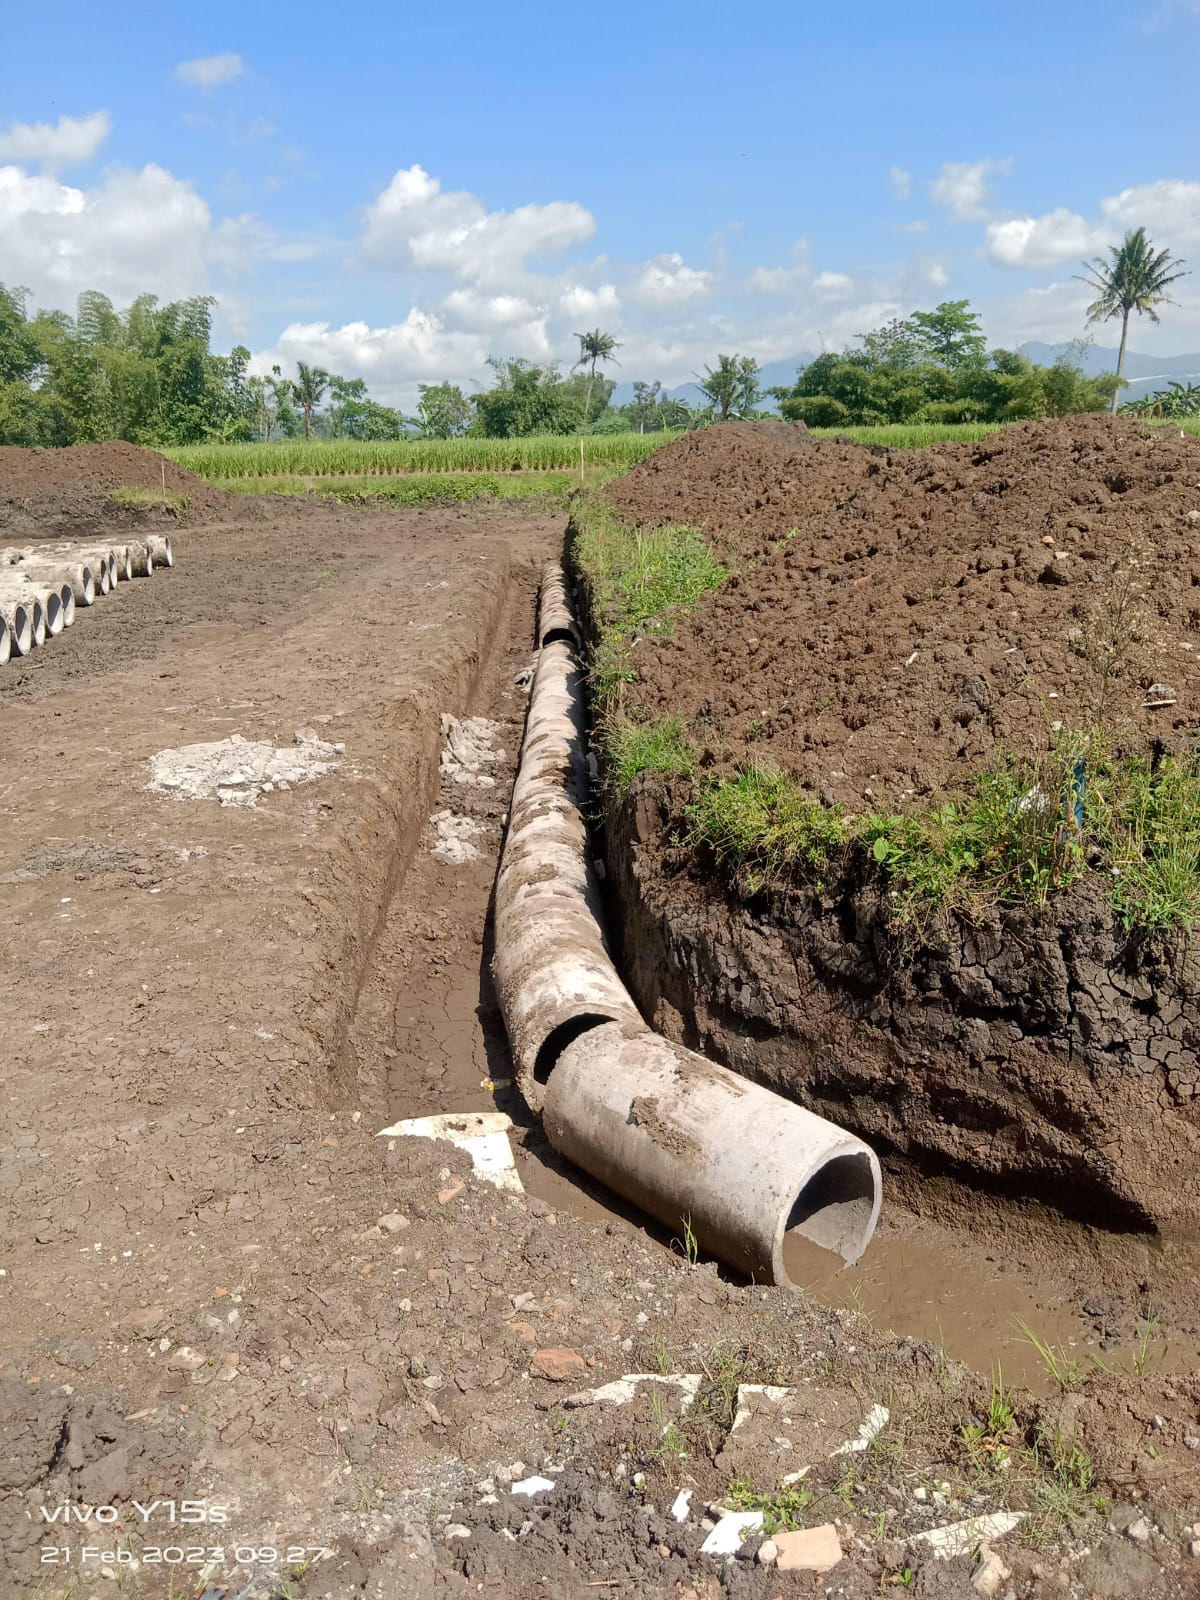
[{"x": 894, "y": 623}]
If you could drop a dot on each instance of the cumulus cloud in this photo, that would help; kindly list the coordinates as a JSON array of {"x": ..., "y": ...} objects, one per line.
[
  {"x": 1168, "y": 208},
  {"x": 414, "y": 222},
  {"x": 668, "y": 280},
  {"x": 917, "y": 225},
  {"x": 961, "y": 187},
  {"x": 52, "y": 145},
  {"x": 578, "y": 301},
  {"x": 209, "y": 72},
  {"x": 901, "y": 182},
  {"x": 835, "y": 285},
  {"x": 395, "y": 358},
  {"x": 135, "y": 230}
]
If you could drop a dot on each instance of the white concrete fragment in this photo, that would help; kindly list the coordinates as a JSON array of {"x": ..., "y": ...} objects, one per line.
[
  {"x": 467, "y": 750},
  {"x": 960, "y": 1538},
  {"x": 236, "y": 770},
  {"x": 682, "y": 1504},
  {"x": 876, "y": 1421},
  {"x": 482, "y": 1134},
  {"x": 729, "y": 1535},
  {"x": 769, "y": 1391},
  {"x": 452, "y": 838},
  {"x": 622, "y": 1390},
  {"x": 532, "y": 1486}
]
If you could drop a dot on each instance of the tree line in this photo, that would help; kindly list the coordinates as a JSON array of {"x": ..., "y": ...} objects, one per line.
[{"x": 148, "y": 375}]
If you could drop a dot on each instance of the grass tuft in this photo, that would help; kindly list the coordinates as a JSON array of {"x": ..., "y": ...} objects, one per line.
[
  {"x": 151, "y": 497},
  {"x": 763, "y": 825},
  {"x": 632, "y": 747}
]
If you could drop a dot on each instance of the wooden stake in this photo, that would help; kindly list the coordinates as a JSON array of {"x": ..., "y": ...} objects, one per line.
[{"x": 582, "y": 480}]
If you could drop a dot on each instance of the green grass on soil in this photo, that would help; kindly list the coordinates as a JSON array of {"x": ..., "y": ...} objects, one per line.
[
  {"x": 1016, "y": 832},
  {"x": 420, "y": 488}
]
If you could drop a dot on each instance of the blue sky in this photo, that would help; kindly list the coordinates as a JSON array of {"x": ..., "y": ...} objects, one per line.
[{"x": 398, "y": 194}]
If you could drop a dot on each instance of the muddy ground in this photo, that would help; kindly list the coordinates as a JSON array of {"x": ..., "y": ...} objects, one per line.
[{"x": 220, "y": 1286}]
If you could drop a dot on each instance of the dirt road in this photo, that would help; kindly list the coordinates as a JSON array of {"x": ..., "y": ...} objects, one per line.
[{"x": 220, "y": 1287}]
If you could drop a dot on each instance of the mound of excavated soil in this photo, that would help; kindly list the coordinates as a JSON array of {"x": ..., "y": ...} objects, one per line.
[
  {"x": 71, "y": 487},
  {"x": 898, "y": 618}
]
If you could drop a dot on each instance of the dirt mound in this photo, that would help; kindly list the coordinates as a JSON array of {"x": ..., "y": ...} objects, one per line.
[
  {"x": 896, "y": 619},
  {"x": 73, "y": 487},
  {"x": 737, "y": 476}
]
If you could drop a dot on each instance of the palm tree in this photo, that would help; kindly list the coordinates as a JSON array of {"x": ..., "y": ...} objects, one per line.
[
  {"x": 1136, "y": 279},
  {"x": 593, "y": 347},
  {"x": 308, "y": 390}
]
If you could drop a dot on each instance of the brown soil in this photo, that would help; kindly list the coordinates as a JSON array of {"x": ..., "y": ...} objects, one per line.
[
  {"x": 897, "y": 619},
  {"x": 52, "y": 491},
  {"x": 218, "y": 1284}
]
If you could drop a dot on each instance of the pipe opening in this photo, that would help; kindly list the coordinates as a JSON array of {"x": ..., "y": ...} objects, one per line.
[
  {"x": 557, "y": 1040},
  {"x": 836, "y": 1207},
  {"x": 559, "y": 636}
]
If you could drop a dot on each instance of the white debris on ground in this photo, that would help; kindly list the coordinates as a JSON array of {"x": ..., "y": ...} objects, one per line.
[
  {"x": 452, "y": 838},
  {"x": 236, "y": 771},
  {"x": 467, "y": 750}
]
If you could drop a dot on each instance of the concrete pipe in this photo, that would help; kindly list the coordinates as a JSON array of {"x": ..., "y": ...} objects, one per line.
[
  {"x": 553, "y": 971},
  {"x": 684, "y": 1138},
  {"x": 556, "y": 617},
  {"x": 49, "y": 601},
  {"x": 670, "y": 1130},
  {"x": 74, "y": 575},
  {"x": 123, "y": 563},
  {"x": 140, "y": 559},
  {"x": 5, "y": 642},
  {"x": 67, "y": 595},
  {"x": 24, "y": 595},
  {"x": 18, "y": 624},
  {"x": 159, "y": 546}
]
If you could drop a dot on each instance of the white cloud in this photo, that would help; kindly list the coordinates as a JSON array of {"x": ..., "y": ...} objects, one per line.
[
  {"x": 917, "y": 225},
  {"x": 581, "y": 303},
  {"x": 55, "y": 144},
  {"x": 667, "y": 280},
  {"x": 478, "y": 310},
  {"x": 133, "y": 232},
  {"x": 961, "y": 187},
  {"x": 1169, "y": 209},
  {"x": 937, "y": 275},
  {"x": 209, "y": 72},
  {"x": 901, "y": 182},
  {"x": 835, "y": 285},
  {"x": 414, "y": 222},
  {"x": 394, "y": 359}
]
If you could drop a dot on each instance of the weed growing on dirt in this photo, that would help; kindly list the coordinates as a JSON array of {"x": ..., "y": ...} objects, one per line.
[
  {"x": 1064, "y": 1488},
  {"x": 689, "y": 1245},
  {"x": 151, "y": 497},
  {"x": 631, "y": 747},
  {"x": 988, "y": 1442},
  {"x": 762, "y": 824},
  {"x": 782, "y": 1510},
  {"x": 1066, "y": 1371}
]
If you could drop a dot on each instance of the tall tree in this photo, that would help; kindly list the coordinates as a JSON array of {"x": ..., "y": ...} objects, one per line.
[
  {"x": 731, "y": 386},
  {"x": 1135, "y": 278},
  {"x": 593, "y": 347},
  {"x": 443, "y": 411},
  {"x": 308, "y": 390}
]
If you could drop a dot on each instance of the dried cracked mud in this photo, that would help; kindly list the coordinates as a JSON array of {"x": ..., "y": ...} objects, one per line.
[{"x": 221, "y": 1290}]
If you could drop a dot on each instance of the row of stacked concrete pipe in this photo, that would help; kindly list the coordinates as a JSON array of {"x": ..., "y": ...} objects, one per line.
[{"x": 41, "y": 585}]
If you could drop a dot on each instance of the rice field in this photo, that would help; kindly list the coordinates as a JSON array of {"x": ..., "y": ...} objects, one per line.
[
  {"x": 339, "y": 458},
  {"x": 418, "y": 488}
]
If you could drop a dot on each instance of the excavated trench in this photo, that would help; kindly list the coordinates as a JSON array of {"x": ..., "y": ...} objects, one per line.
[{"x": 952, "y": 1261}]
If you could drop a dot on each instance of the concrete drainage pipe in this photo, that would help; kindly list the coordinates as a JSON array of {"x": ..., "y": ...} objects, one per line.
[
  {"x": 49, "y": 601},
  {"x": 675, "y": 1133},
  {"x": 159, "y": 546},
  {"x": 5, "y": 642},
  {"x": 140, "y": 560},
  {"x": 18, "y": 624},
  {"x": 74, "y": 575},
  {"x": 124, "y": 563}
]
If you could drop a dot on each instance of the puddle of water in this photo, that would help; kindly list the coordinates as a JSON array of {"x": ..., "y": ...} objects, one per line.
[{"x": 944, "y": 1292}]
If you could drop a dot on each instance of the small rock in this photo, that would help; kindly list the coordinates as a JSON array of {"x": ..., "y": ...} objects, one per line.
[
  {"x": 186, "y": 1359},
  {"x": 1194, "y": 1549},
  {"x": 532, "y": 1486},
  {"x": 1193, "y": 517},
  {"x": 768, "y": 1553},
  {"x": 1191, "y": 1441},
  {"x": 456, "y": 1530},
  {"x": 921, "y": 1494},
  {"x": 145, "y": 1319},
  {"x": 393, "y": 1222},
  {"x": 446, "y": 1195},
  {"x": 1139, "y": 1531},
  {"x": 809, "y": 1549},
  {"x": 992, "y": 1573},
  {"x": 558, "y": 1366}
]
